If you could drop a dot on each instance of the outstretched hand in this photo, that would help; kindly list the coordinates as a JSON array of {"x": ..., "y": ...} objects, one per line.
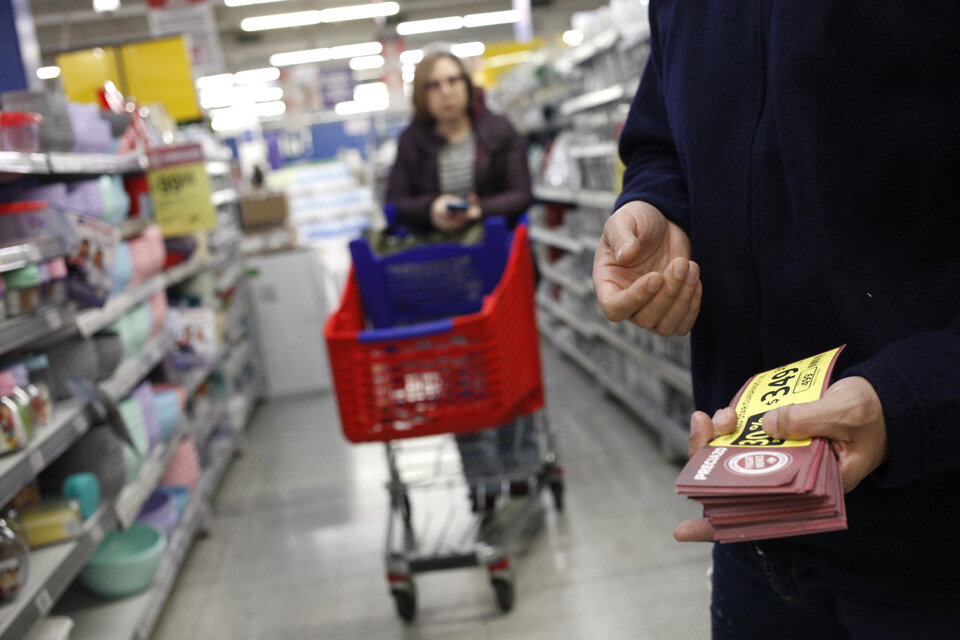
[{"x": 642, "y": 271}]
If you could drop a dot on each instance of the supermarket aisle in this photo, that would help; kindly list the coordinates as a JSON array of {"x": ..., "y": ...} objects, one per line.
[{"x": 297, "y": 542}]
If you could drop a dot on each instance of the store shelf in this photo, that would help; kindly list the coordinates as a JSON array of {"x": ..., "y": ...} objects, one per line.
[
  {"x": 558, "y": 195},
  {"x": 603, "y": 41},
  {"x": 204, "y": 426},
  {"x": 133, "y": 371},
  {"x": 21, "y": 467},
  {"x": 14, "y": 162},
  {"x": 132, "y": 227},
  {"x": 673, "y": 435},
  {"x": 672, "y": 374},
  {"x": 262, "y": 242},
  {"x": 18, "y": 255},
  {"x": 579, "y": 286},
  {"x": 91, "y": 321},
  {"x": 556, "y": 239},
  {"x": 52, "y": 569},
  {"x": 594, "y": 99},
  {"x": 597, "y": 199},
  {"x": 224, "y": 196},
  {"x": 135, "y": 617},
  {"x": 135, "y": 494},
  {"x": 23, "y": 330},
  {"x": 95, "y": 163}
]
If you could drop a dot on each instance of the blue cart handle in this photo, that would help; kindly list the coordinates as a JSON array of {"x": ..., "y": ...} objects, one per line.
[{"x": 419, "y": 330}]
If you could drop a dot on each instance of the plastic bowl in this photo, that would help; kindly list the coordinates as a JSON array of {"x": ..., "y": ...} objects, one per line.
[
  {"x": 126, "y": 562},
  {"x": 160, "y": 511},
  {"x": 180, "y": 496},
  {"x": 20, "y": 131}
]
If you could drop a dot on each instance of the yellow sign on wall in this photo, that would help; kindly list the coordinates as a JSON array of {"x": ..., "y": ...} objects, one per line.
[
  {"x": 85, "y": 72},
  {"x": 180, "y": 190}
]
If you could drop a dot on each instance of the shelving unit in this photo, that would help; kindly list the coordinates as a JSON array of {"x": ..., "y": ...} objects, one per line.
[{"x": 53, "y": 569}]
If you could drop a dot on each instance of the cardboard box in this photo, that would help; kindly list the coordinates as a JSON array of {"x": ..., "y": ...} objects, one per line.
[{"x": 263, "y": 210}]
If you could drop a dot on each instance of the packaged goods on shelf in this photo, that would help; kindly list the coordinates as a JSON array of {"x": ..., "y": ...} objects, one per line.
[{"x": 261, "y": 210}]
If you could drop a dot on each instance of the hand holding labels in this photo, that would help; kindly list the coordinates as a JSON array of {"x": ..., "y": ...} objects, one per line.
[{"x": 754, "y": 485}]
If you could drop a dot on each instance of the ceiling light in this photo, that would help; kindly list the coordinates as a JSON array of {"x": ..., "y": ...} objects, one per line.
[
  {"x": 342, "y": 52},
  {"x": 353, "y": 107},
  {"x": 212, "y": 82},
  {"x": 281, "y": 21},
  {"x": 244, "y": 3},
  {"x": 491, "y": 18},
  {"x": 345, "y": 51},
  {"x": 239, "y": 96},
  {"x": 300, "y": 57},
  {"x": 366, "y": 62},
  {"x": 48, "y": 73},
  {"x": 359, "y": 12},
  {"x": 103, "y": 6},
  {"x": 468, "y": 49},
  {"x": 573, "y": 37},
  {"x": 411, "y": 56},
  {"x": 371, "y": 91},
  {"x": 430, "y": 26},
  {"x": 253, "y": 76}
]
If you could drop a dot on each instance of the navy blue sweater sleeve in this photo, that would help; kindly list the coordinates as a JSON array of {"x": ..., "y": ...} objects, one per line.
[
  {"x": 653, "y": 170},
  {"x": 918, "y": 382}
]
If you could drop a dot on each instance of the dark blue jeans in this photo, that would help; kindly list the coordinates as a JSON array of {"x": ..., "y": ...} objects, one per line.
[{"x": 759, "y": 596}]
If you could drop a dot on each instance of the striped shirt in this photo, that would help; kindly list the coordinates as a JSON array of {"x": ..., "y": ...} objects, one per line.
[{"x": 456, "y": 166}]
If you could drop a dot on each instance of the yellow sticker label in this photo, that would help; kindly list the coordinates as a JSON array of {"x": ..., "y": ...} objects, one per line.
[{"x": 794, "y": 383}]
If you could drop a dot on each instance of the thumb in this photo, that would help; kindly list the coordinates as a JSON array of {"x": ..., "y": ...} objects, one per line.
[{"x": 807, "y": 420}]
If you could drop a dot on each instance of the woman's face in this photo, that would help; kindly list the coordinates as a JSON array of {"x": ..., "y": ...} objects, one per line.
[{"x": 446, "y": 91}]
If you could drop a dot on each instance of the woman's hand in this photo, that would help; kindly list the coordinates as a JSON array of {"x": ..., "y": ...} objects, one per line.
[
  {"x": 443, "y": 218},
  {"x": 642, "y": 271}
]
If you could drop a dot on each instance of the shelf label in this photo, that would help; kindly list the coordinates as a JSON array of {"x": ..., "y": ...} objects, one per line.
[
  {"x": 96, "y": 534},
  {"x": 43, "y": 602},
  {"x": 36, "y": 461},
  {"x": 53, "y": 319},
  {"x": 180, "y": 190}
]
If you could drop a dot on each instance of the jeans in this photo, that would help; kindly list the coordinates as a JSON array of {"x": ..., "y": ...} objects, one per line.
[
  {"x": 759, "y": 596},
  {"x": 510, "y": 450}
]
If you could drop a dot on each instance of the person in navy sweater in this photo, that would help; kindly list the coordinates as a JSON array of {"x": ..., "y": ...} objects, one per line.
[{"x": 791, "y": 187}]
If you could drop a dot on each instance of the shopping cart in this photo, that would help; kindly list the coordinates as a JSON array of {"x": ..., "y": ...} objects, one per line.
[{"x": 416, "y": 385}]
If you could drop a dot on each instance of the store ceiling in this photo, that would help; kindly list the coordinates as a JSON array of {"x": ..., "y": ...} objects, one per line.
[{"x": 65, "y": 25}]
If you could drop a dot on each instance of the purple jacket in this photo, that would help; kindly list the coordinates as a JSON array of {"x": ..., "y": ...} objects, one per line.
[{"x": 501, "y": 176}]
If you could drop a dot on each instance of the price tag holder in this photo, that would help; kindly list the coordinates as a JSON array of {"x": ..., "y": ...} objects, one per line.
[
  {"x": 43, "y": 602},
  {"x": 180, "y": 190}
]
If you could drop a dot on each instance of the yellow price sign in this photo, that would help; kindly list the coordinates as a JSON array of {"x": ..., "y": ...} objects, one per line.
[
  {"x": 180, "y": 190},
  {"x": 795, "y": 383}
]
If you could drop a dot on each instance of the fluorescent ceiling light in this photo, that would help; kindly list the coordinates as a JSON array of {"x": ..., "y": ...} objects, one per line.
[
  {"x": 211, "y": 82},
  {"x": 359, "y": 12},
  {"x": 491, "y": 18},
  {"x": 573, "y": 37},
  {"x": 411, "y": 56},
  {"x": 430, "y": 26},
  {"x": 243, "y": 117},
  {"x": 345, "y": 51},
  {"x": 239, "y": 95},
  {"x": 371, "y": 91},
  {"x": 342, "y": 52},
  {"x": 281, "y": 21},
  {"x": 366, "y": 62},
  {"x": 244, "y": 3},
  {"x": 468, "y": 49},
  {"x": 48, "y": 73},
  {"x": 353, "y": 107},
  {"x": 253, "y": 76},
  {"x": 103, "y": 6}
]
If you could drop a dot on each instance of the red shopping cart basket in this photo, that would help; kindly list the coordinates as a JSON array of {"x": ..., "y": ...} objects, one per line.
[{"x": 452, "y": 375}]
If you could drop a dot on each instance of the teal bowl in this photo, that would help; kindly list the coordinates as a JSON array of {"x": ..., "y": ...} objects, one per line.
[{"x": 125, "y": 563}]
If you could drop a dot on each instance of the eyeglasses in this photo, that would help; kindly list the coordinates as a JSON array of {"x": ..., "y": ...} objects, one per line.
[{"x": 453, "y": 81}]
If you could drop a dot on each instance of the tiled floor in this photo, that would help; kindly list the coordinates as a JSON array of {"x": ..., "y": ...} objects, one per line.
[{"x": 296, "y": 545}]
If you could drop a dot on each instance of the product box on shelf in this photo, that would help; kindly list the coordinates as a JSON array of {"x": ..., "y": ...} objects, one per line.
[
  {"x": 263, "y": 210},
  {"x": 92, "y": 250}
]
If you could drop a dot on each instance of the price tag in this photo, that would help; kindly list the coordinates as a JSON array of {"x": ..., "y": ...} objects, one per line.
[
  {"x": 43, "y": 602},
  {"x": 36, "y": 461},
  {"x": 96, "y": 534},
  {"x": 180, "y": 190},
  {"x": 53, "y": 319}
]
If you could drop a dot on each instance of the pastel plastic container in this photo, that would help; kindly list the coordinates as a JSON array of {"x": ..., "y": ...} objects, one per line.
[
  {"x": 160, "y": 511},
  {"x": 184, "y": 467},
  {"x": 20, "y": 131},
  {"x": 180, "y": 496},
  {"x": 126, "y": 562},
  {"x": 28, "y": 219}
]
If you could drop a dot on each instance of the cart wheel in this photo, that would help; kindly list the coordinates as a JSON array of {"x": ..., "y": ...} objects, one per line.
[
  {"x": 406, "y": 602},
  {"x": 505, "y": 593},
  {"x": 556, "y": 488}
]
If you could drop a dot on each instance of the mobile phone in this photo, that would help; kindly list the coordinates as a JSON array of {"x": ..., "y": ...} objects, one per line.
[{"x": 458, "y": 207}]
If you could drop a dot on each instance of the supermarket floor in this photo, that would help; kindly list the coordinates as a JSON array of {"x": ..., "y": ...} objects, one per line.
[{"x": 296, "y": 544}]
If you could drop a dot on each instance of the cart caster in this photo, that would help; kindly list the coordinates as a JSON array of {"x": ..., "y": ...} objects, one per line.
[
  {"x": 405, "y": 598},
  {"x": 556, "y": 488},
  {"x": 505, "y": 593}
]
